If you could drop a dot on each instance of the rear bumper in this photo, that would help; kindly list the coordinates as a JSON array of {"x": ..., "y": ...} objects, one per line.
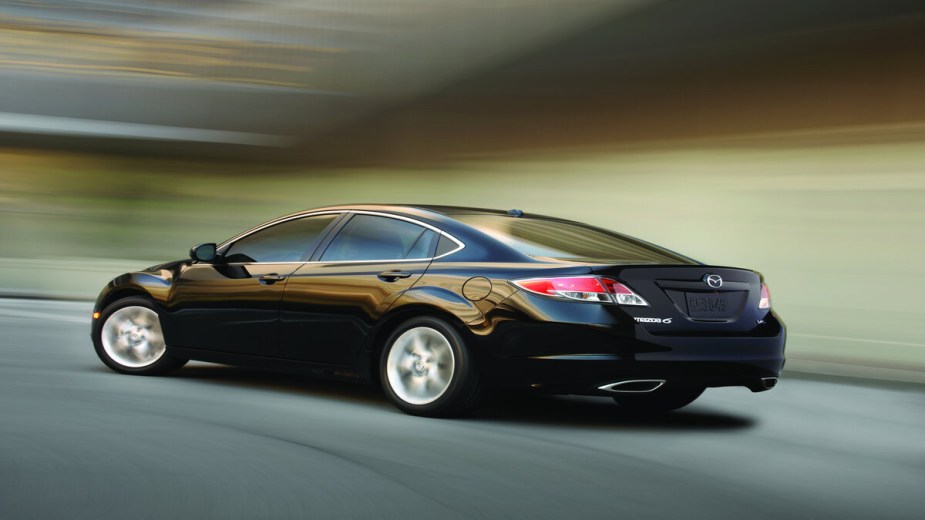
[
  {"x": 588, "y": 377},
  {"x": 568, "y": 358}
]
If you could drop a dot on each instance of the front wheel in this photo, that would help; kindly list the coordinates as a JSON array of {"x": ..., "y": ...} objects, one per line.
[
  {"x": 129, "y": 339},
  {"x": 426, "y": 369},
  {"x": 661, "y": 400}
]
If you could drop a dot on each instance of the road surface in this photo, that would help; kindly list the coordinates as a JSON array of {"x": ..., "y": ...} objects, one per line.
[{"x": 80, "y": 441}]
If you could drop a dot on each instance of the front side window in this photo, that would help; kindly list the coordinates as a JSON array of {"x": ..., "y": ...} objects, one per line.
[
  {"x": 290, "y": 241},
  {"x": 368, "y": 237}
]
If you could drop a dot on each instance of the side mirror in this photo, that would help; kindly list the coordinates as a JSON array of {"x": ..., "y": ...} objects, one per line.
[{"x": 203, "y": 252}]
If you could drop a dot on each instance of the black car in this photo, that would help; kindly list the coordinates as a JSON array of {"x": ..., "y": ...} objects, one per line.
[{"x": 437, "y": 304}]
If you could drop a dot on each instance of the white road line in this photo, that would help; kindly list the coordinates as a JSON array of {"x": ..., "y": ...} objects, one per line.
[
  {"x": 857, "y": 340},
  {"x": 43, "y": 316}
]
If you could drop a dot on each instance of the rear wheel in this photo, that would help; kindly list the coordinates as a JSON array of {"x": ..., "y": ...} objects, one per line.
[
  {"x": 128, "y": 339},
  {"x": 664, "y": 399},
  {"x": 426, "y": 369}
]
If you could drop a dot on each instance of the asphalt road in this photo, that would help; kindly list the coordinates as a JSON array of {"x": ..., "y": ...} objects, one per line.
[{"x": 80, "y": 441}]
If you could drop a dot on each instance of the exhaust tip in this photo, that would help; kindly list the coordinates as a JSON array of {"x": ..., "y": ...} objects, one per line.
[
  {"x": 769, "y": 382},
  {"x": 633, "y": 386}
]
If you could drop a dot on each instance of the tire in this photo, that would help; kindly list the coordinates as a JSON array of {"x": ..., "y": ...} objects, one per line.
[
  {"x": 662, "y": 400},
  {"x": 426, "y": 369},
  {"x": 127, "y": 338}
]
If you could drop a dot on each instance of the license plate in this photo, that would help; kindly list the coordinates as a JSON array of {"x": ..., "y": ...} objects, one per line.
[{"x": 707, "y": 305}]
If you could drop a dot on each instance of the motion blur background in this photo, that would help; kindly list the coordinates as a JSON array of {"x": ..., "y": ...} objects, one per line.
[{"x": 785, "y": 136}]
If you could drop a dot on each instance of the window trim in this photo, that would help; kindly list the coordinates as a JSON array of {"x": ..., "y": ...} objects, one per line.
[
  {"x": 336, "y": 228},
  {"x": 332, "y": 227},
  {"x": 320, "y": 252}
]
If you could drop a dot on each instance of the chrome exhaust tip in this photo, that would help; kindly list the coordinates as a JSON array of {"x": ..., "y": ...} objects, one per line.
[
  {"x": 633, "y": 386},
  {"x": 769, "y": 382}
]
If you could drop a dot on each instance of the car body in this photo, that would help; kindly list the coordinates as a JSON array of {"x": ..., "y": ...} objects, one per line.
[{"x": 440, "y": 303}]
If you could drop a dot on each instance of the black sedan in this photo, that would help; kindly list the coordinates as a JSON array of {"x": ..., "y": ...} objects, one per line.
[{"x": 439, "y": 304}]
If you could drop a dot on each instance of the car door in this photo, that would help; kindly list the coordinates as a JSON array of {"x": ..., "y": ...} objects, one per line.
[
  {"x": 331, "y": 303},
  {"x": 232, "y": 305}
]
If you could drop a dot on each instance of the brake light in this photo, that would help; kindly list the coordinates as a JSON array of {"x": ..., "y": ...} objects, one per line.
[
  {"x": 623, "y": 294},
  {"x": 582, "y": 288},
  {"x": 765, "y": 301}
]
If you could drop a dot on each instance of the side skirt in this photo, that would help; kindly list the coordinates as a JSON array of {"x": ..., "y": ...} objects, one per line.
[{"x": 320, "y": 370}]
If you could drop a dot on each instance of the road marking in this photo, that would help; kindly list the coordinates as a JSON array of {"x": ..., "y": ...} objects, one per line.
[
  {"x": 43, "y": 316},
  {"x": 856, "y": 340}
]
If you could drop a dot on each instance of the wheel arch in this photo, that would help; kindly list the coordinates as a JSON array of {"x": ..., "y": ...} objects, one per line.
[
  {"x": 119, "y": 293},
  {"x": 143, "y": 284}
]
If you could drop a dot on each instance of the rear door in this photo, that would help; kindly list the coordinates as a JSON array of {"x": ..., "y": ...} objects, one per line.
[{"x": 331, "y": 303}]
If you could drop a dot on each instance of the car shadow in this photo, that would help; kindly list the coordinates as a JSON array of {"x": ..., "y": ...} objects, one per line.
[
  {"x": 602, "y": 412},
  {"x": 499, "y": 407},
  {"x": 283, "y": 382}
]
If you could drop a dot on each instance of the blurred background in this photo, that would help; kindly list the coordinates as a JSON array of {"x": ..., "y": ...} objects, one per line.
[{"x": 784, "y": 136}]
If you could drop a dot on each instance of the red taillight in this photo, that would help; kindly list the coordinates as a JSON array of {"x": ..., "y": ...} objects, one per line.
[
  {"x": 765, "y": 301},
  {"x": 582, "y": 288},
  {"x": 623, "y": 294}
]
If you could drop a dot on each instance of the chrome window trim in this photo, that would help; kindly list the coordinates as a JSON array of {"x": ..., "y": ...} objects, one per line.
[
  {"x": 459, "y": 243},
  {"x": 273, "y": 223},
  {"x": 264, "y": 263}
]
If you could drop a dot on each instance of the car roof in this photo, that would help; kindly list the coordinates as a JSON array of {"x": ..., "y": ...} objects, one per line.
[
  {"x": 402, "y": 208},
  {"x": 479, "y": 247},
  {"x": 429, "y": 210}
]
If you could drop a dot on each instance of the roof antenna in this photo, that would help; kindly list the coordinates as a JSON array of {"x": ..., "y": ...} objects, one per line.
[{"x": 515, "y": 212}]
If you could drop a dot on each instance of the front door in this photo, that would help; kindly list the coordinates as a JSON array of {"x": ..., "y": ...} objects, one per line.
[
  {"x": 228, "y": 307},
  {"x": 232, "y": 305}
]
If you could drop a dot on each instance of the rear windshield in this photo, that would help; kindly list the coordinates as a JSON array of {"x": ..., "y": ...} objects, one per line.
[{"x": 543, "y": 238}]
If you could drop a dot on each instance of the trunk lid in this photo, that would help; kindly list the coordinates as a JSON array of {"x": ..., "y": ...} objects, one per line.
[{"x": 692, "y": 298}]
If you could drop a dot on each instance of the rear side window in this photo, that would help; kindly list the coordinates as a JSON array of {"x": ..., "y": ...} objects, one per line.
[
  {"x": 544, "y": 238},
  {"x": 445, "y": 246},
  {"x": 368, "y": 237},
  {"x": 423, "y": 246},
  {"x": 290, "y": 241}
]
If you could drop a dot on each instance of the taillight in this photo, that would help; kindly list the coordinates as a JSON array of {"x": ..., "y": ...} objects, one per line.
[
  {"x": 765, "y": 301},
  {"x": 623, "y": 294},
  {"x": 582, "y": 288}
]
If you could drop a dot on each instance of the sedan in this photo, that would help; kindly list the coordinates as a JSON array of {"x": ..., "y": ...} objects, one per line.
[{"x": 439, "y": 304}]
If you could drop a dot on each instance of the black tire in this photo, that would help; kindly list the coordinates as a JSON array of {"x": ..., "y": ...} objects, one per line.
[
  {"x": 162, "y": 364},
  {"x": 662, "y": 400},
  {"x": 463, "y": 392}
]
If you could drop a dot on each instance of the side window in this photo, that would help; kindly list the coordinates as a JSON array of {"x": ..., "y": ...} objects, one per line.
[
  {"x": 291, "y": 241},
  {"x": 423, "y": 246},
  {"x": 368, "y": 237},
  {"x": 445, "y": 246}
]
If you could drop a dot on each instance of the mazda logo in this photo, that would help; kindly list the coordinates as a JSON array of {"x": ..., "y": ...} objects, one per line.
[{"x": 713, "y": 280}]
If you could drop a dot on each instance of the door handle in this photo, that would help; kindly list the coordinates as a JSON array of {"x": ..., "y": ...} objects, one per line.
[
  {"x": 270, "y": 279},
  {"x": 391, "y": 276}
]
